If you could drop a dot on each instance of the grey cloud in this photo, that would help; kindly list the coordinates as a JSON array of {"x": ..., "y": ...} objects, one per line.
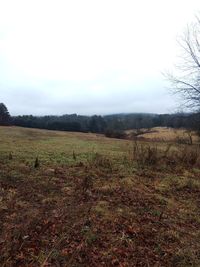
[{"x": 77, "y": 98}]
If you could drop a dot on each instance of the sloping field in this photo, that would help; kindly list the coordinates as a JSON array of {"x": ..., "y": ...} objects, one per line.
[
  {"x": 72, "y": 199},
  {"x": 165, "y": 134}
]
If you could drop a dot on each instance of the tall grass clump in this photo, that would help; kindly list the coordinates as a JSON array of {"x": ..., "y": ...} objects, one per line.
[
  {"x": 145, "y": 154},
  {"x": 102, "y": 161}
]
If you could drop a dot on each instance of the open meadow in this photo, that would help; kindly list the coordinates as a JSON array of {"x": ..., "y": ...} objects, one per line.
[{"x": 76, "y": 199}]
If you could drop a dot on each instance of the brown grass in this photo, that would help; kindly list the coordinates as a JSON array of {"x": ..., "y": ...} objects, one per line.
[
  {"x": 99, "y": 208},
  {"x": 164, "y": 134}
]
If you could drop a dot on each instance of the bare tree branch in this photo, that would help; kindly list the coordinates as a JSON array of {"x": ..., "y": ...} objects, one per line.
[{"x": 187, "y": 85}]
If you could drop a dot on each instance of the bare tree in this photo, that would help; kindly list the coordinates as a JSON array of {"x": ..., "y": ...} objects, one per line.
[{"x": 186, "y": 82}]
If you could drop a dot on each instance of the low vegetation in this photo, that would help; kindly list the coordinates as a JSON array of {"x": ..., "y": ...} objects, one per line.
[{"x": 75, "y": 199}]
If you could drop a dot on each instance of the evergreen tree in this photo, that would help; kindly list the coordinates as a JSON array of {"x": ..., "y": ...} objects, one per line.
[{"x": 4, "y": 115}]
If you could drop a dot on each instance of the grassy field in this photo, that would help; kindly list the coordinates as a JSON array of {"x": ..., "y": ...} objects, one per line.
[
  {"x": 165, "y": 134},
  {"x": 75, "y": 199}
]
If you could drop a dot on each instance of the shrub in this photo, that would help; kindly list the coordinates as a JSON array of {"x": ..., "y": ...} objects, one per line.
[{"x": 115, "y": 134}]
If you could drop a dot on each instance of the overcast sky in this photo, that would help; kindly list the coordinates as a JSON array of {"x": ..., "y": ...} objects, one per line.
[{"x": 89, "y": 56}]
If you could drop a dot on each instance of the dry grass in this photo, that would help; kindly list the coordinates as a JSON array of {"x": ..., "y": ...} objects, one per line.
[
  {"x": 97, "y": 207},
  {"x": 151, "y": 154},
  {"x": 164, "y": 134}
]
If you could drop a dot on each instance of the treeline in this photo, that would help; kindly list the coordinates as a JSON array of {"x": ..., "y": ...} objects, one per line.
[
  {"x": 73, "y": 122},
  {"x": 108, "y": 124}
]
